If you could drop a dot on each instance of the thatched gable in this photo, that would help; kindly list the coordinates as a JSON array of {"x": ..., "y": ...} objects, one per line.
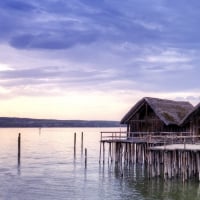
[
  {"x": 168, "y": 111},
  {"x": 191, "y": 114}
]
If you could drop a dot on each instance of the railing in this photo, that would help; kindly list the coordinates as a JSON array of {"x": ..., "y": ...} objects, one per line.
[
  {"x": 122, "y": 135},
  {"x": 152, "y": 137}
]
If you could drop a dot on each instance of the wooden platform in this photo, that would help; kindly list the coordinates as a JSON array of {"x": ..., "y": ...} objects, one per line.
[
  {"x": 168, "y": 155},
  {"x": 172, "y": 147}
]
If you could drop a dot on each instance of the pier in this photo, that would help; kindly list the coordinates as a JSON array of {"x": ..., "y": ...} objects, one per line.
[
  {"x": 162, "y": 135},
  {"x": 164, "y": 154}
]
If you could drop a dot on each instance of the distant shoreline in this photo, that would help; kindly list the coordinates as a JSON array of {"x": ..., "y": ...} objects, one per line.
[{"x": 15, "y": 122}]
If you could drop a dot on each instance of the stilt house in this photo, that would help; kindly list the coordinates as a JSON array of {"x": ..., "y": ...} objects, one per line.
[
  {"x": 158, "y": 115},
  {"x": 164, "y": 135}
]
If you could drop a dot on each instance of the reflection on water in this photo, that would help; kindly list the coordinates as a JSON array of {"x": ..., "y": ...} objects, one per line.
[
  {"x": 48, "y": 170},
  {"x": 157, "y": 188}
]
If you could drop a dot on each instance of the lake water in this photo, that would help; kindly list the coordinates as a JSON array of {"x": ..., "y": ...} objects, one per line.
[{"x": 49, "y": 171}]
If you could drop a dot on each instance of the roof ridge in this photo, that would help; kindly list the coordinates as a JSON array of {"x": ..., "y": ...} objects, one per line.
[{"x": 161, "y": 99}]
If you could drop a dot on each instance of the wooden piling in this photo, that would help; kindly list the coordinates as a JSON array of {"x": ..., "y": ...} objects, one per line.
[
  {"x": 19, "y": 148},
  {"x": 82, "y": 143},
  {"x": 103, "y": 152},
  {"x": 109, "y": 154},
  {"x": 75, "y": 145},
  {"x": 100, "y": 143},
  {"x": 85, "y": 157}
]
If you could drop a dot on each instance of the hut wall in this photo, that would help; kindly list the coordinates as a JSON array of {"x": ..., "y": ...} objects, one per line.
[
  {"x": 145, "y": 120},
  {"x": 195, "y": 124}
]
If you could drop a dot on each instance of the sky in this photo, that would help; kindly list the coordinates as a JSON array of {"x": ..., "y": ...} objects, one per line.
[{"x": 94, "y": 59}]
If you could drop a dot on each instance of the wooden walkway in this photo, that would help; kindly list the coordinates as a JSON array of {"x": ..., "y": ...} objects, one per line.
[{"x": 166, "y": 155}]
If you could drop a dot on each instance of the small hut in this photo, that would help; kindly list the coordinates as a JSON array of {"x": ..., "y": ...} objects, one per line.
[{"x": 157, "y": 115}]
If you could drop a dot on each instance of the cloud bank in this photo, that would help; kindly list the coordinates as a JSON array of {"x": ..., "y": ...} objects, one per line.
[{"x": 138, "y": 47}]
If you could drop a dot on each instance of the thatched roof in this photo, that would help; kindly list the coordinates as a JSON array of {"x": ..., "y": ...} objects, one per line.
[
  {"x": 190, "y": 114},
  {"x": 168, "y": 111}
]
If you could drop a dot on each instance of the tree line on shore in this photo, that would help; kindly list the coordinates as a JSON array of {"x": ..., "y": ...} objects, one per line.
[{"x": 29, "y": 122}]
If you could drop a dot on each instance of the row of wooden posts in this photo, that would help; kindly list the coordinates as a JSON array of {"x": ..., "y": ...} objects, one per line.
[
  {"x": 81, "y": 148},
  {"x": 123, "y": 152},
  {"x": 163, "y": 162},
  {"x": 167, "y": 163},
  {"x": 184, "y": 163},
  {"x": 174, "y": 163},
  {"x": 19, "y": 148}
]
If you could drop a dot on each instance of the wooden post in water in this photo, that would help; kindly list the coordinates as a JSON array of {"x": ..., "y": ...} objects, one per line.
[
  {"x": 109, "y": 153},
  {"x": 82, "y": 143},
  {"x": 103, "y": 152},
  {"x": 85, "y": 157},
  {"x": 75, "y": 145},
  {"x": 19, "y": 148},
  {"x": 184, "y": 144},
  {"x": 100, "y": 149}
]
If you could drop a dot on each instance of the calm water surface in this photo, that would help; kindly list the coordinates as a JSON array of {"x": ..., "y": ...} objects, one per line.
[{"x": 49, "y": 171}]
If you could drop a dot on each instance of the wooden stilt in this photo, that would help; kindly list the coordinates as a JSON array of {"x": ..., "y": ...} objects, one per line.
[
  {"x": 100, "y": 149},
  {"x": 103, "y": 152},
  {"x": 82, "y": 143},
  {"x": 74, "y": 145},
  {"x": 85, "y": 158},
  {"x": 19, "y": 149}
]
